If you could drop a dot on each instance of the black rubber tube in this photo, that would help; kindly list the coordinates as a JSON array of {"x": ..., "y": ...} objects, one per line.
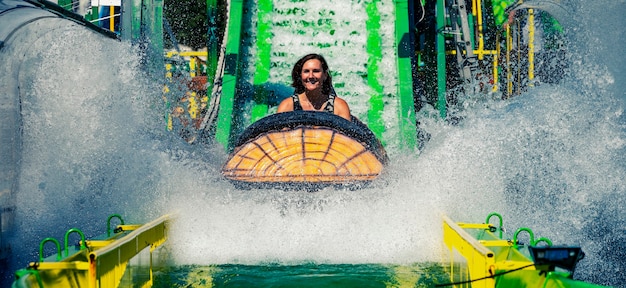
[{"x": 354, "y": 129}]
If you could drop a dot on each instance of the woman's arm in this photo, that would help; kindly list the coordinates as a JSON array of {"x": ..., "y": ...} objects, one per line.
[
  {"x": 342, "y": 109},
  {"x": 285, "y": 106}
]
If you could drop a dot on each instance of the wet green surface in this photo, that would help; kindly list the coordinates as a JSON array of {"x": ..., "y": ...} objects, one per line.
[{"x": 304, "y": 275}]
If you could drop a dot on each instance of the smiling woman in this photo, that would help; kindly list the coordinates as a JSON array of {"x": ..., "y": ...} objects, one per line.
[{"x": 314, "y": 89}]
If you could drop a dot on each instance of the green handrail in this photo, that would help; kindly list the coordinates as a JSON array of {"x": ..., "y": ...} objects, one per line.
[
  {"x": 531, "y": 236},
  {"x": 406, "y": 111},
  {"x": 67, "y": 236},
  {"x": 44, "y": 241},
  {"x": 263, "y": 62},
  {"x": 118, "y": 216},
  {"x": 229, "y": 82},
  {"x": 542, "y": 239},
  {"x": 374, "y": 116},
  {"x": 500, "y": 221},
  {"x": 441, "y": 104}
]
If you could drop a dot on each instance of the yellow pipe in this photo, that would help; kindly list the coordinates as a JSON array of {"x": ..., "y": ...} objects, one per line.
[
  {"x": 496, "y": 57},
  {"x": 483, "y": 52},
  {"x": 474, "y": 7},
  {"x": 171, "y": 54},
  {"x": 481, "y": 41},
  {"x": 112, "y": 18},
  {"x": 192, "y": 67},
  {"x": 509, "y": 83},
  {"x": 531, "y": 47}
]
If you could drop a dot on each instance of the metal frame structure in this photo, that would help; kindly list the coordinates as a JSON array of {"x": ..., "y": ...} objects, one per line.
[{"x": 100, "y": 262}]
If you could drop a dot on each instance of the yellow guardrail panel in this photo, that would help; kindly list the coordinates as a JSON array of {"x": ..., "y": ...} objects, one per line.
[
  {"x": 480, "y": 261},
  {"x": 109, "y": 263},
  {"x": 102, "y": 264}
]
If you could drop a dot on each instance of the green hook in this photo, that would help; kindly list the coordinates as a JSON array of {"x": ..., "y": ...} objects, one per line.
[
  {"x": 542, "y": 239},
  {"x": 500, "y": 221},
  {"x": 49, "y": 239},
  {"x": 530, "y": 234},
  {"x": 109, "y": 222},
  {"x": 67, "y": 235}
]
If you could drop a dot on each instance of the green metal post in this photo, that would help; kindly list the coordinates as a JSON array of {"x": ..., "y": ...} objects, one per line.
[
  {"x": 263, "y": 62},
  {"x": 470, "y": 20},
  {"x": 441, "y": 59},
  {"x": 131, "y": 20},
  {"x": 374, "y": 116},
  {"x": 135, "y": 31},
  {"x": 406, "y": 111},
  {"x": 94, "y": 14},
  {"x": 229, "y": 84},
  {"x": 156, "y": 27}
]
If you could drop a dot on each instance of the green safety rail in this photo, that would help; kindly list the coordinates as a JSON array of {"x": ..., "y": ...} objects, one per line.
[
  {"x": 263, "y": 63},
  {"x": 231, "y": 70},
  {"x": 406, "y": 112},
  {"x": 442, "y": 103},
  {"x": 374, "y": 115}
]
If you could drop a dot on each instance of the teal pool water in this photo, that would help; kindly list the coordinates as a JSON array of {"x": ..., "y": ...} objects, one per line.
[{"x": 302, "y": 275}]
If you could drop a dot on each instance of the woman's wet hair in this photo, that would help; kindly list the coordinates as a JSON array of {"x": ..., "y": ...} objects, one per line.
[{"x": 297, "y": 71}]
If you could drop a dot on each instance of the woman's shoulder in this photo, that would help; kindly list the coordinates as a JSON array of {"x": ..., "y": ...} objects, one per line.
[
  {"x": 340, "y": 101},
  {"x": 285, "y": 105},
  {"x": 342, "y": 108}
]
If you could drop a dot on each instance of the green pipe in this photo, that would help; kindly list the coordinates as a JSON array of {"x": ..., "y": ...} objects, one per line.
[
  {"x": 156, "y": 29},
  {"x": 263, "y": 62},
  {"x": 375, "y": 55},
  {"x": 118, "y": 216},
  {"x": 131, "y": 21},
  {"x": 542, "y": 239},
  {"x": 500, "y": 222},
  {"x": 67, "y": 236},
  {"x": 441, "y": 60},
  {"x": 231, "y": 68},
  {"x": 406, "y": 111},
  {"x": 531, "y": 236},
  {"x": 56, "y": 243},
  {"x": 470, "y": 20}
]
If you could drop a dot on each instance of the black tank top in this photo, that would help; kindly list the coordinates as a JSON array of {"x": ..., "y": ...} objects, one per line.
[{"x": 330, "y": 104}]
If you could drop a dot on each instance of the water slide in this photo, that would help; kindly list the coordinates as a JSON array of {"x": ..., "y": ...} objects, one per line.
[
  {"x": 353, "y": 69},
  {"x": 367, "y": 46},
  {"x": 372, "y": 54}
]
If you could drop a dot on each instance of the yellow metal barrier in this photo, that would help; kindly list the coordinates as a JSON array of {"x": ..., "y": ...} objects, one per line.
[
  {"x": 102, "y": 263},
  {"x": 477, "y": 256},
  {"x": 469, "y": 259}
]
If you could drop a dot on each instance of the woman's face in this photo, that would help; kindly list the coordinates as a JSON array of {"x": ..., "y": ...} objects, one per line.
[{"x": 312, "y": 74}]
